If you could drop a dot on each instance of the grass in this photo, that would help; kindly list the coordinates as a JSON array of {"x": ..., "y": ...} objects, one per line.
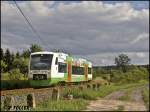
[
  {"x": 145, "y": 94},
  {"x": 6, "y": 83},
  {"x": 62, "y": 105},
  {"x": 120, "y": 108},
  {"x": 5, "y": 76},
  {"x": 90, "y": 94},
  {"x": 82, "y": 98},
  {"x": 126, "y": 96}
]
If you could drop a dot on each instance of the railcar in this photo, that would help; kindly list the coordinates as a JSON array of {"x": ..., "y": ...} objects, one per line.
[{"x": 47, "y": 68}]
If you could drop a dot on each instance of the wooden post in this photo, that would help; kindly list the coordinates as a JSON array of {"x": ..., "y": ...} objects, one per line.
[
  {"x": 89, "y": 86},
  {"x": 31, "y": 100},
  {"x": 55, "y": 94},
  {"x": 94, "y": 86}
]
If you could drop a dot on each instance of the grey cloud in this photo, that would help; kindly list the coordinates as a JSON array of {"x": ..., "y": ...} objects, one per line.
[{"x": 81, "y": 29}]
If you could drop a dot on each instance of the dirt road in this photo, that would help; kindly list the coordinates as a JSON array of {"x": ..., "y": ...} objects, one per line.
[{"x": 111, "y": 102}]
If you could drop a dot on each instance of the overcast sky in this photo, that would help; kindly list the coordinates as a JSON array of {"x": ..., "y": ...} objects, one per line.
[{"x": 97, "y": 31}]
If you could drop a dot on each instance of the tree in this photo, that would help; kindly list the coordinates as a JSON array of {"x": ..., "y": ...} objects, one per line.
[
  {"x": 12, "y": 57},
  {"x": 7, "y": 59},
  {"x": 2, "y": 54},
  {"x": 35, "y": 48},
  {"x": 26, "y": 53},
  {"x": 22, "y": 64},
  {"x": 15, "y": 74},
  {"x": 17, "y": 55},
  {"x": 3, "y": 66},
  {"x": 122, "y": 61}
]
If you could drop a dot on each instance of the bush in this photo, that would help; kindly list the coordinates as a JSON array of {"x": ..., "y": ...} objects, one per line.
[
  {"x": 3, "y": 66},
  {"x": 22, "y": 64},
  {"x": 132, "y": 76},
  {"x": 15, "y": 74}
]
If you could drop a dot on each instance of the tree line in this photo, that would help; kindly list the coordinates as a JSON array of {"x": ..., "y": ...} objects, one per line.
[{"x": 19, "y": 61}]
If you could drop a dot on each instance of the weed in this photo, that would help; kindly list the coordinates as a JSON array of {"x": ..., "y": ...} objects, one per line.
[
  {"x": 145, "y": 94},
  {"x": 63, "y": 105}
]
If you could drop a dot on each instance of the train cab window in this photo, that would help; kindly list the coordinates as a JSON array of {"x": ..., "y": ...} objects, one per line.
[
  {"x": 62, "y": 67},
  {"x": 77, "y": 70},
  {"x": 89, "y": 70},
  {"x": 56, "y": 61}
]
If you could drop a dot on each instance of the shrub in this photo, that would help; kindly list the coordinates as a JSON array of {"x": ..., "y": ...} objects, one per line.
[
  {"x": 22, "y": 64},
  {"x": 15, "y": 74},
  {"x": 3, "y": 66},
  {"x": 132, "y": 76}
]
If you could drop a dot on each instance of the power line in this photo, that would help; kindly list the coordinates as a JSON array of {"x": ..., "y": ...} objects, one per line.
[{"x": 29, "y": 23}]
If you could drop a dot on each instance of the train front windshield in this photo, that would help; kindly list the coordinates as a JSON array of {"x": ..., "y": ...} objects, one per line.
[{"x": 41, "y": 62}]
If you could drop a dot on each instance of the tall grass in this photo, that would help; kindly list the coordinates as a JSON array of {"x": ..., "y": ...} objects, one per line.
[
  {"x": 62, "y": 105},
  {"x": 145, "y": 94},
  {"x": 90, "y": 94}
]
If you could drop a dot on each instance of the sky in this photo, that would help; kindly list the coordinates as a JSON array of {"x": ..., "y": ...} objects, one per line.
[{"x": 96, "y": 30}]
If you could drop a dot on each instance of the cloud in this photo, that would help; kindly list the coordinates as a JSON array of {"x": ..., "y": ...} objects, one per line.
[
  {"x": 142, "y": 36},
  {"x": 81, "y": 28},
  {"x": 104, "y": 59}
]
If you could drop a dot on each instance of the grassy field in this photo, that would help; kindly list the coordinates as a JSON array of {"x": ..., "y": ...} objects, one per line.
[
  {"x": 81, "y": 98},
  {"x": 104, "y": 90},
  {"x": 63, "y": 105},
  {"x": 145, "y": 94}
]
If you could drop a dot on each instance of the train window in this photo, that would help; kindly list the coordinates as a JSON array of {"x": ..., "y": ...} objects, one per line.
[
  {"x": 56, "y": 61},
  {"x": 77, "y": 70},
  {"x": 89, "y": 70},
  {"x": 62, "y": 67}
]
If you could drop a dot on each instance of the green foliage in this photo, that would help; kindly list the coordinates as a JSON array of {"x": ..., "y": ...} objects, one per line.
[
  {"x": 120, "y": 108},
  {"x": 100, "y": 72},
  {"x": 4, "y": 76},
  {"x": 2, "y": 54},
  {"x": 22, "y": 64},
  {"x": 145, "y": 94},
  {"x": 122, "y": 61},
  {"x": 17, "y": 55},
  {"x": 3, "y": 66},
  {"x": 90, "y": 94},
  {"x": 62, "y": 105},
  {"x": 81, "y": 94},
  {"x": 15, "y": 74},
  {"x": 26, "y": 53},
  {"x": 35, "y": 48},
  {"x": 133, "y": 75},
  {"x": 8, "y": 59}
]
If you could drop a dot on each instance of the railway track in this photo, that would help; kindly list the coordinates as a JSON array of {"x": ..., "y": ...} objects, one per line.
[{"x": 33, "y": 90}]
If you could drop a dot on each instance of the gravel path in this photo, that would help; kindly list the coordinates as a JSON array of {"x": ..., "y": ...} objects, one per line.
[
  {"x": 111, "y": 102},
  {"x": 112, "y": 105},
  {"x": 136, "y": 95},
  {"x": 115, "y": 95}
]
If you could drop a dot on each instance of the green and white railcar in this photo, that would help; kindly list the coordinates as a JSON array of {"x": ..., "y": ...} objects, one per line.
[{"x": 46, "y": 68}]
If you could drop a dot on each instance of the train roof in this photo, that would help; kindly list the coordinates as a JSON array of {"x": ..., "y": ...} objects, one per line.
[
  {"x": 47, "y": 52},
  {"x": 62, "y": 54}
]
